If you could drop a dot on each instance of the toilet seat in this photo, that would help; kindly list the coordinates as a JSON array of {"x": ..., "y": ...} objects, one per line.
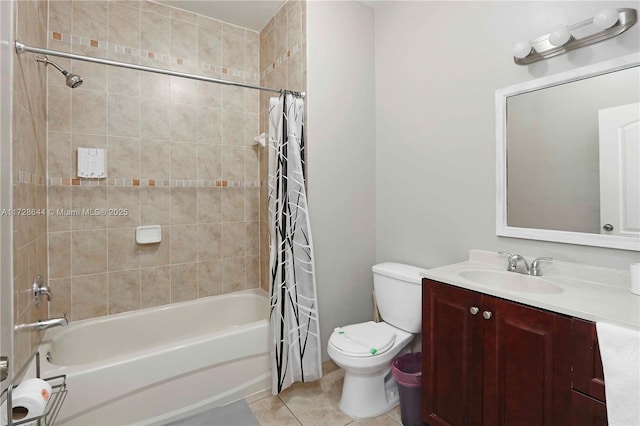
[{"x": 363, "y": 340}]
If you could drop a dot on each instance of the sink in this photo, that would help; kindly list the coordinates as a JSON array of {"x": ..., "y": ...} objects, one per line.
[{"x": 511, "y": 281}]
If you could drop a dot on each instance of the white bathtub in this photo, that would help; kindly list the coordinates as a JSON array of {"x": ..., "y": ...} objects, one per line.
[{"x": 159, "y": 364}]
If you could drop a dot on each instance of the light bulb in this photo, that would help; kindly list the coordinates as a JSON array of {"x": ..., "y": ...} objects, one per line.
[
  {"x": 521, "y": 49},
  {"x": 559, "y": 36},
  {"x": 605, "y": 18}
]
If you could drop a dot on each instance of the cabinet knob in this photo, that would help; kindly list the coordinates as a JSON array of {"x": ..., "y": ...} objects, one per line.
[
  {"x": 608, "y": 227},
  {"x": 486, "y": 315},
  {"x": 474, "y": 310}
]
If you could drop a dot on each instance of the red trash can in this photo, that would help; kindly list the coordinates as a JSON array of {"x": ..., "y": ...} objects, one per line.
[{"x": 407, "y": 370}]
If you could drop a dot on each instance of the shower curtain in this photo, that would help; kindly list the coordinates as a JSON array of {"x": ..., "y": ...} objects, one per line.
[{"x": 295, "y": 332}]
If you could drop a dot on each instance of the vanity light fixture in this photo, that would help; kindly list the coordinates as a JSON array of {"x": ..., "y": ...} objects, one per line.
[{"x": 605, "y": 24}]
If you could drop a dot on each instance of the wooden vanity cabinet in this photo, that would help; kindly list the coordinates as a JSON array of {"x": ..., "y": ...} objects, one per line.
[{"x": 488, "y": 361}]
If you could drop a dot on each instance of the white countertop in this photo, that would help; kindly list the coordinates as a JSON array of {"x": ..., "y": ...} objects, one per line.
[{"x": 591, "y": 293}]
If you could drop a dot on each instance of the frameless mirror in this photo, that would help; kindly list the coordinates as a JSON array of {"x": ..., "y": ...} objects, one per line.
[{"x": 568, "y": 157}]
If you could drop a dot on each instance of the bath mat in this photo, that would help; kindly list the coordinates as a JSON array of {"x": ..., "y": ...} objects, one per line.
[{"x": 235, "y": 414}]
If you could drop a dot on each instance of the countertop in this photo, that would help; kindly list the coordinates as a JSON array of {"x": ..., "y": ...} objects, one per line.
[{"x": 591, "y": 293}]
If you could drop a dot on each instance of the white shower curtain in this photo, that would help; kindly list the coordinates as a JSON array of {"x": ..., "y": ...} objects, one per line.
[{"x": 295, "y": 332}]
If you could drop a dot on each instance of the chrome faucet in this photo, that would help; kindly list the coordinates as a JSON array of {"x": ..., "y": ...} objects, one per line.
[
  {"x": 44, "y": 324},
  {"x": 535, "y": 268},
  {"x": 514, "y": 260}
]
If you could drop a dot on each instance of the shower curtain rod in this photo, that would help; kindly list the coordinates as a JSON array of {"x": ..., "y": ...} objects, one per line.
[{"x": 22, "y": 48}]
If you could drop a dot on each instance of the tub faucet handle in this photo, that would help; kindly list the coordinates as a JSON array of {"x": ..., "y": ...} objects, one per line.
[{"x": 39, "y": 289}]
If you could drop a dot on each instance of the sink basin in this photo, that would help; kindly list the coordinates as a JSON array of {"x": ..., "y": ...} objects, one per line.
[{"x": 511, "y": 281}]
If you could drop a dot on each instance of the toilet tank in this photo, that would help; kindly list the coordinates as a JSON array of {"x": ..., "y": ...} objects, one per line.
[{"x": 399, "y": 295}]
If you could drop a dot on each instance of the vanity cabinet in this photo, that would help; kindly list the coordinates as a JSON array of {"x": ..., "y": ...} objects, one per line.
[{"x": 489, "y": 361}]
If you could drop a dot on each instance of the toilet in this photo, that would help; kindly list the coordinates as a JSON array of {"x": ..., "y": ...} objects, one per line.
[{"x": 366, "y": 350}]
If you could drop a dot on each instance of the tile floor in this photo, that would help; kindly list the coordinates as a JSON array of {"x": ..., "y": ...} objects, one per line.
[{"x": 313, "y": 403}]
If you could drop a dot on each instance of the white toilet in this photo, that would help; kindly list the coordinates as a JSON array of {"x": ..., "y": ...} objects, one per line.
[{"x": 365, "y": 351}]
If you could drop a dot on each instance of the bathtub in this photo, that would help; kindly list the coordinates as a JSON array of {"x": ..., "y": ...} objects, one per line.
[{"x": 160, "y": 364}]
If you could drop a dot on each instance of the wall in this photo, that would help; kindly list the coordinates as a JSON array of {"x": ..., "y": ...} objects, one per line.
[
  {"x": 435, "y": 136},
  {"x": 283, "y": 64},
  {"x": 179, "y": 155},
  {"x": 29, "y": 152},
  {"x": 341, "y": 162}
]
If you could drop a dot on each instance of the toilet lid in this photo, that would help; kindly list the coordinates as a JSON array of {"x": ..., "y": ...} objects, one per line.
[{"x": 363, "y": 340}]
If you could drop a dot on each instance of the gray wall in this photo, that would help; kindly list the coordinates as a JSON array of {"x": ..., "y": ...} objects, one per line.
[
  {"x": 401, "y": 135},
  {"x": 437, "y": 67},
  {"x": 341, "y": 159}
]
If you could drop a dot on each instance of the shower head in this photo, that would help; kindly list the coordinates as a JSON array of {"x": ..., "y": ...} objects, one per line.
[{"x": 73, "y": 80}]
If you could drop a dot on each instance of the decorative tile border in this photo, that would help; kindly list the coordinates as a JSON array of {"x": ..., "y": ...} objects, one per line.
[
  {"x": 162, "y": 183},
  {"x": 30, "y": 178},
  {"x": 161, "y": 58},
  {"x": 295, "y": 49}
]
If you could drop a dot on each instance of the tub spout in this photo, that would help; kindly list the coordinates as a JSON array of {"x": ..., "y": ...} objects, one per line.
[
  {"x": 51, "y": 322},
  {"x": 44, "y": 324}
]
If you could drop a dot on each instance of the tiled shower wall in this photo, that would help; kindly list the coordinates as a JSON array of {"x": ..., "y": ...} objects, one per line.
[
  {"x": 283, "y": 64},
  {"x": 29, "y": 190},
  {"x": 179, "y": 154}
]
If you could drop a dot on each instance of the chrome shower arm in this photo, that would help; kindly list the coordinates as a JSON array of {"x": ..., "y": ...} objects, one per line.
[{"x": 46, "y": 61}]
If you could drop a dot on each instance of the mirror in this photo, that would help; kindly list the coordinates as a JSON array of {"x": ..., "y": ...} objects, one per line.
[{"x": 568, "y": 156}]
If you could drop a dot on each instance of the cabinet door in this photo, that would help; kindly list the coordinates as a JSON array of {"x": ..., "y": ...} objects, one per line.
[
  {"x": 526, "y": 366},
  {"x": 588, "y": 375},
  {"x": 587, "y": 411},
  {"x": 452, "y": 355}
]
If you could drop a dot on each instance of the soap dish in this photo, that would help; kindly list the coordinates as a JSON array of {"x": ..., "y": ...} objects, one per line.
[{"x": 148, "y": 234}]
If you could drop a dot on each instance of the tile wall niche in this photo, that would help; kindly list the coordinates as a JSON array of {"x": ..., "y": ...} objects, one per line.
[
  {"x": 179, "y": 151},
  {"x": 29, "y": 183},
  {"x": 283, "y": 64}
]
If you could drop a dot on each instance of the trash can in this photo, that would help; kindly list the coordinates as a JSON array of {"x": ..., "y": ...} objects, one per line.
[{"x": 407, "y": 370}]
